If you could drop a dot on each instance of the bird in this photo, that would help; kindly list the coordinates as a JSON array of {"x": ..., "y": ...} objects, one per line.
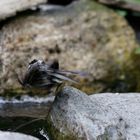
[{"x": 42, "y": 75}]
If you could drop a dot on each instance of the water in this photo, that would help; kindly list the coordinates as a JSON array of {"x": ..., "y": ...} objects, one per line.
[{"x": 16, "y": 112}]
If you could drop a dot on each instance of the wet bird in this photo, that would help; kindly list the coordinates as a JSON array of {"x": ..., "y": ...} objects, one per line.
[{"x": 42, "y": 75}]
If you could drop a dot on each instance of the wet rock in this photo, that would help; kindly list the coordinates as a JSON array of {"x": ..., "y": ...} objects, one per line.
[
  {"x": 77, "y": 116},
  {"x": 11, "y": 7},
  {"x": 15, "y": 136},
  {"x": 84, "y": 36}
]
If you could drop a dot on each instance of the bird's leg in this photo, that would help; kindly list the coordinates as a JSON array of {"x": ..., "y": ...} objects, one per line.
[{"x": 59, "y": 88}]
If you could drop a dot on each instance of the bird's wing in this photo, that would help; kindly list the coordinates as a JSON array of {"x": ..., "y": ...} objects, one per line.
[{"x": 59, "y": 76}]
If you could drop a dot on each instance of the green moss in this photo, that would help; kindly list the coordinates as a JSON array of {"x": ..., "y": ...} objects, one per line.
[
  {"x": 55, "y": 134},
  {"x": 17, "y": 92},
  {"x": 92, "y": 5},
  {"x": 136, "y": 70},
  {"x": 9, "y": 93},
  {"x": 96, "y": 6},
  {"x": 88, "y": 5}
]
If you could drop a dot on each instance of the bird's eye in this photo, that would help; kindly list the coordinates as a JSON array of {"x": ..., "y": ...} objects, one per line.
[{"x": 33, "y": 61}]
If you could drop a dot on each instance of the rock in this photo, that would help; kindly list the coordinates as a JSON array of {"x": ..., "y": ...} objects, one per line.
[
  {"x": 77, "y": 116},
  {"x": 127, "y": 106},
  {"x": 130, "y": 5},
  {"x": 84, "y": 36},
  {"x": 11, "y": 7},
  {"x": 15, "y": 136}
]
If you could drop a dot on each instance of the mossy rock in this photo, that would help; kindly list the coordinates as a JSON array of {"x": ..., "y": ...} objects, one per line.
[{"x": 84, "y": 36}]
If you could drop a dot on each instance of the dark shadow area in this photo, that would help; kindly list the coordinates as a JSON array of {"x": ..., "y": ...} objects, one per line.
[
  {"x": 134, "y": 22},
  {"x": 36, "y": 129},
  {"x": 60, "y": 2}
]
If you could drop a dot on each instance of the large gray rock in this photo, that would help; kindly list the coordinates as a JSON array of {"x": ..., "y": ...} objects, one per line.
[
  {"x": 11, "y": 7},
  {"x": 15, "y": 136},
  {"x": 77, "y": 116},
  {"x": 127, "y": 106},
  {"x": 84, "y": 36}
]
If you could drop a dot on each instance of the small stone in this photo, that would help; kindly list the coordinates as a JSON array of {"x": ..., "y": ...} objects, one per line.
[
  {"x": 15, "y": 136},
  {"x": 11, "y": 7}
]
